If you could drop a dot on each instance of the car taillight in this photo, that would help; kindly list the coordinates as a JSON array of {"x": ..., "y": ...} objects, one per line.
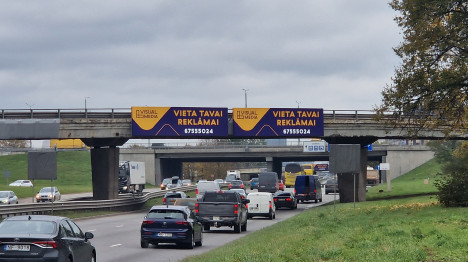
[
  {"x": 294, "y": 191},
  {"x": 197, "y": 206},
  {"x": 315, "y": 191},
  {"x": 147, "y": 222},
  {"x": 270, "y": 203},
  {"x": 185, "y": 223},
  {"x": 164, "y": 200},
  {"x": 236, "y": 208},
  {"x": 288, "y": 199},
  {"x": 197, "y": 191},
  {"x": 242, "y": 186},
  {"x": 46, "y": 244},
  {"x": 230, "y": 185},
  {"x": 275, "y": 199}
]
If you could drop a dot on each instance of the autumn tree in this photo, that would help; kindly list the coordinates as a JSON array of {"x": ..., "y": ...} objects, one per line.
[{"x": 430, "y": 88}]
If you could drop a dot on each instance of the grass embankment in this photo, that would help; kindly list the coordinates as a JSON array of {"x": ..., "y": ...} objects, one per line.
[
  {"x": 398, "y": 229},
  {"x": 73, "y": 173}
]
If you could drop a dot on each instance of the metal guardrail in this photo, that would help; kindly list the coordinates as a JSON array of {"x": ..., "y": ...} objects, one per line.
[
  {"x": 114, "y": 113},
  {"x": 124, "y": 201}
]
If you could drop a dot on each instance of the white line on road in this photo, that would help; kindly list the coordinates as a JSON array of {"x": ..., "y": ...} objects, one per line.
[{"x": 116, "y": 245}]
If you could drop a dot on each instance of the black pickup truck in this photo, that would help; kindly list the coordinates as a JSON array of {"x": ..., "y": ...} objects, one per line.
[{"x": 222, "y": 208}]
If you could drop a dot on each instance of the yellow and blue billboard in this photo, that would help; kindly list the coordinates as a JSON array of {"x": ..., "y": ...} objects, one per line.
[
  {"x": 277, "y": 122},
  {"x": 179, "y": 122}
]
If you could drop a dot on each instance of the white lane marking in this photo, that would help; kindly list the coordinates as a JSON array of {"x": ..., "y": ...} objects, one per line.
[
  {"x": 91, "y": 230},
  {"x": 116, "y": 245},
  {"x": 119, "y": 226}
]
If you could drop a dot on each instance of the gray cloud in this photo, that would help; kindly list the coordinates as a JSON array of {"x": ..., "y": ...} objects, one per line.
[{"x": 331, "y": 54}]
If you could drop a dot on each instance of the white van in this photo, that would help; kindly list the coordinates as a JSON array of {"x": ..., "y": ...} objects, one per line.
[
  {"x": 261, "y": 204},
  {"x": 204, "y": 186}
]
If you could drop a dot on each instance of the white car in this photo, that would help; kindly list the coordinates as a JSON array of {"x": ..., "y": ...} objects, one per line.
[
  {"x": 50, "y": 194},
  {"x": 26, "y": 183},
  {"x": 8, "y": 197}
]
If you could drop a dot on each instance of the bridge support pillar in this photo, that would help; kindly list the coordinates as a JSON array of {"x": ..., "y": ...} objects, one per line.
[
  {"x": 274, "y": 165},
  {"x": 105, "y": 171},
  {"x": 352, "y": 187}
]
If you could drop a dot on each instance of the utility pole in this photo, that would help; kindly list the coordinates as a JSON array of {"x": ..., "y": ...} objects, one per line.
[{"x": 245, "y": 96}]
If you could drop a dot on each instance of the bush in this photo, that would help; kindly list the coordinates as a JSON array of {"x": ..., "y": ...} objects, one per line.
[{"x": 453, "y": 186}]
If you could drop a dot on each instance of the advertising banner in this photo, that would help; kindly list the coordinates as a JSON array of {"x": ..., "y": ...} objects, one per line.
[
  {"x": 277, "y": 122},
  {"x": 179, "y": 122}
]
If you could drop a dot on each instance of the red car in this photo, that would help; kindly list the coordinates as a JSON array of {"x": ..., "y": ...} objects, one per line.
[{"x": 281, "y": 185}]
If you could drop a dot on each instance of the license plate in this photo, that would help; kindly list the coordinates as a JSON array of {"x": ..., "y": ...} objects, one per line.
[
  {"x": 216, "y": 218},
  {"x": 281, "y": 199},
  {"x": 164, "y": 234},
  {"x": 17, "y": 248},
  {"x": 253, "y": 208}
]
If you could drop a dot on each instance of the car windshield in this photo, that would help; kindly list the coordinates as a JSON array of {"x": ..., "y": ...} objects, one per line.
[
  {"x": 27, "y": 227},
  {"x": 174, "y": 195},
  {"x": 236, "y": 182},
  {"x": 220, "y": 197},
  {"x": 165, "y": 214},
  {"x": 45, "y": 190},
  {"x": 167, "y": 181},
  {"x": 4, "y": 194},
  {"x": 284, "y": 194}
]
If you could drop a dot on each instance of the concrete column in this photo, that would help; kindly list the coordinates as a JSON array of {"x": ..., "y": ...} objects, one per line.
[
  {"x": 105, "y": 170},
  {"x": 353, "y": 186},
  {"x": 274, "y": 165}
]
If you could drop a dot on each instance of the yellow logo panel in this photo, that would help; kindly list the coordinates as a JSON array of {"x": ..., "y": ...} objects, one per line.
[
  {"x": 147, "y": 117},
  {"x": 248, "y": 118}
]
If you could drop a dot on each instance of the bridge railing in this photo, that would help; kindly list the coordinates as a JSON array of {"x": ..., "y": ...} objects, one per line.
[{"x": 126, "y": 113}]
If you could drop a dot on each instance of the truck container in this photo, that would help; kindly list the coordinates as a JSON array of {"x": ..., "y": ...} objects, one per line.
[{"x": 132, "y": 176}]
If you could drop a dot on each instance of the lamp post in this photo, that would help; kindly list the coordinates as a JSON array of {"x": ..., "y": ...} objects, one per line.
[
  {"x": 245, "y": 96},
  {"x": 85, "y": 107},
  {"x": 30, "y": 110}
]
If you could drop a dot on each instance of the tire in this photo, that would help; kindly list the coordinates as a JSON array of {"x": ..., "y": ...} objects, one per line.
[
  {"x": 206, "y": 227},
  {"x": 237, "y": 228},
  {"x": 93, "y": 258},
  {"x": 320, "y": 200},
  {"x": 191, "y": 244},
  {"x": 244, "y": 227},
  {"x": 200, "y": 242},
  {"x": 144, "y": 243},
  {"x": 270, "y": 216},
  {"x": 316, "y": 200}
]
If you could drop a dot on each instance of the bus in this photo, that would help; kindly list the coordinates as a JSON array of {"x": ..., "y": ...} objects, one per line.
[
  {"x": 291, "y": 170},
  {"x": 308, "y": 168}
]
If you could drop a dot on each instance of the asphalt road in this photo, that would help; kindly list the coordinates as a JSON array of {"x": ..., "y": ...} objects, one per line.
[{"x": 117, "y": 238}]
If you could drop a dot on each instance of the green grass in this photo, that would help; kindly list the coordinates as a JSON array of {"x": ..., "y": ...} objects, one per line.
[
  {"x": 414, "y": 229},
  {"x": 73, "y": 173},
  {"x": 391, "y": 228},
  {"x": 412, "y": 183}
]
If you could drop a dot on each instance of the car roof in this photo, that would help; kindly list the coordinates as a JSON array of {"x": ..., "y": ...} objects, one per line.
[
  {"x": 161, "y": 207},
  {"x": 36, "y": 217}
]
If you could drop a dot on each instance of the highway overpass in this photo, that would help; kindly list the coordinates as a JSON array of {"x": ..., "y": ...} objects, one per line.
[{"x": 105, "y": 130}]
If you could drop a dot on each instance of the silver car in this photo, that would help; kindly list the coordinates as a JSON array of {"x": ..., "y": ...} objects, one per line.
[
  {"x": 8, "y": 197},
  {"x": 49, "y": 194}
]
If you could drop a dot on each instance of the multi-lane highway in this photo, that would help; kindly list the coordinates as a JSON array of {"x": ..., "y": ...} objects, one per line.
[{"x": 117, "y": 237}]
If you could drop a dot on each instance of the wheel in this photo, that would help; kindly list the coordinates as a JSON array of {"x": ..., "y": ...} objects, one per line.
[
  {"x": 200, "y": 242},
  {"x": 320, "y": 200},
  {"x": 270, "y": 215},
  {"x": 316, "y": 200},
  {"x": 206, "y": 227},
  {"x": 144, "y": 243},
  {"x": 237, "y": 228},
  {"x": 244, "y": 226},
  {"x": 93, "y": 258},
  {"x": 302, "y": 200},
  {"x": 191, "y": 243}
]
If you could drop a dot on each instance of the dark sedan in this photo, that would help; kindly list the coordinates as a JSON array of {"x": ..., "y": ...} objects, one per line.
[
  {"x": 44, "y": 238},
  {"x": 236, "y": 184},
  {"x": 285, "y": 199},
  {"x": 171, "y": 224}
]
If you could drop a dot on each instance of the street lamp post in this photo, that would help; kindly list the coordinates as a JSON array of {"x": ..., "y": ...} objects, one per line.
[{"x": 245, "y": 96}]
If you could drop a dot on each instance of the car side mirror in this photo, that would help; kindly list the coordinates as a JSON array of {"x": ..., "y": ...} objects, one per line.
[
  {"x": 88, "y": 235},
  {"x": 245, "y": 201}
]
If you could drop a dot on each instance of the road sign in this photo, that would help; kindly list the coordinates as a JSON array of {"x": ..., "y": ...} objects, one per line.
[
  {"x": 6, "y": 174},
  {"x": 384, "y": 166}
]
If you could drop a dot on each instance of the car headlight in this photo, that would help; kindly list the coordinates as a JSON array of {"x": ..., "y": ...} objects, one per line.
[
  {"x": 50, "y": 196},
  {"x": 125, "y": 188},
  {"x": 4, "y": 201},
  {"x": 38, "y": 196}
]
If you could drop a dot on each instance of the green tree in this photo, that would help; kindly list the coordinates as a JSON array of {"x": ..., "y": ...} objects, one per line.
[
  {"x": 430, "y": 88},
  {"x": 453, "y": 182}
]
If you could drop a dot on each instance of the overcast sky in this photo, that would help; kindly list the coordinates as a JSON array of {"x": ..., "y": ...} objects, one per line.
[{"x": 331, "y": 54}]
